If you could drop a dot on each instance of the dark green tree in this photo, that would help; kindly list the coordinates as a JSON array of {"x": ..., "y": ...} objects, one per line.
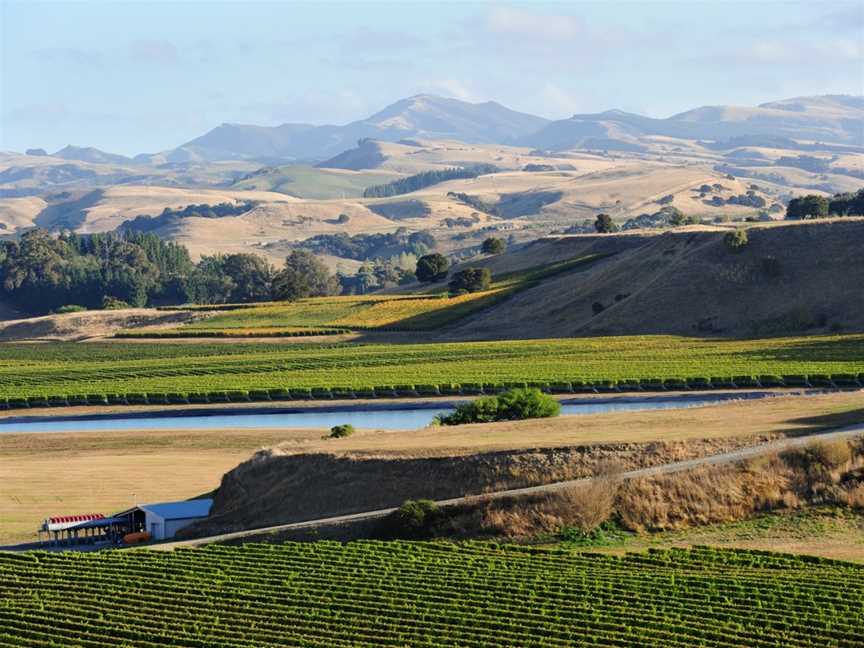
[
  {"x": 431, "y": 268},
  {"x": 304, "y": 275},
  {"x": 493, "y": 245},
  {"x": 470, "y": 280},
  {"x": 809, "y": 206},
  {"x": 604, "y": 224}
]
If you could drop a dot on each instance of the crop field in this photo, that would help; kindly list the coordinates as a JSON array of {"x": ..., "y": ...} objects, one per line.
[
  {"x": 427, "y": 311},
  {"x": 81, "y": 374},
  {"x": 430, "y": 594},
  {"x": 404, "y": 312}
]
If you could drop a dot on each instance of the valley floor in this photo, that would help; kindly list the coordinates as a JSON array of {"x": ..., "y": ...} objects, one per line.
[{"x": 80, "y": 472}]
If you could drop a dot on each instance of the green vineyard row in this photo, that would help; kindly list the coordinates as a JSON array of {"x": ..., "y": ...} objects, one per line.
[
  {"x": 449, "y": 389},
  {"x": 66, "y": 372},
  {"x": 430, "y": 594}
]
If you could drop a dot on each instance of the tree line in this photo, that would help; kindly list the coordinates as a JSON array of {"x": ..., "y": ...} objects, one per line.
[
  {"x": 365, "y": 247},
  {"x": 41, "y": 273},
  {"x": 427, "y": 179},
  {"x": 814, "y": 206}
]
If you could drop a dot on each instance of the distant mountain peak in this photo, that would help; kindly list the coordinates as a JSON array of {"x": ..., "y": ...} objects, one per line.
[
  {"x": 90, "y": 154},
  {"x": 421, "y": 115}
]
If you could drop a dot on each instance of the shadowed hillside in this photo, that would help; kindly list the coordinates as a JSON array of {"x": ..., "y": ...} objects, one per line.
[{"x": 798, "y": 278}]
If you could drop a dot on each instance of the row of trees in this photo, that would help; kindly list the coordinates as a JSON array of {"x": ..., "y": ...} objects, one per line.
[
  {"x": 427, "y": 179},
  {"x": 365, "y": 247},
  {"x": 813, "y": 206},
  {"x": 42, "y": 273},
  {"x": 432, "y": 268}
]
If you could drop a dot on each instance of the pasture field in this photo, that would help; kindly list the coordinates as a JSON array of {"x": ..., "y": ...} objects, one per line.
[
  {"x": 160, "y": 373},
  {"x": 431, "y": 594}
]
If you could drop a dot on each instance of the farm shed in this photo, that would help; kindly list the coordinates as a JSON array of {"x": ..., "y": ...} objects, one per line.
[
  {"x": 162, "y": 521},
  {"x": 89, "y": 528}
]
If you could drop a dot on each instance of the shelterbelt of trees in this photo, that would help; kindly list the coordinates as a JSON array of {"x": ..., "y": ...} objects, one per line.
[{"x": 41, "y": 273}]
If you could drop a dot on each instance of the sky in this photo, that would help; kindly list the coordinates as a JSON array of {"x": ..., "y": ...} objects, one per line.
[{"x": 140, "y": 76}]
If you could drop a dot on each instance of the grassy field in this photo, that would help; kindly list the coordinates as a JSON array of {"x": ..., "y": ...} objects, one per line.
[
  {"x": 404, "y": 312},
  {"x": 105, "y": 472},
  {"x": 313, "y": 183},
  {"x": 63, "y": 370},
  {"x": 828, "y": 532},
  {"x": 80, "y": 472},
  {"x": 431, "y": 594}
]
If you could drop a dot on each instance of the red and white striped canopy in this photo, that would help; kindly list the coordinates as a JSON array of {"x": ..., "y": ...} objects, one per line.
[{"x": 61, "y": 522}]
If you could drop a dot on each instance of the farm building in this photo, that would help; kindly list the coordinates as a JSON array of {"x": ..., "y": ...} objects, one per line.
[
  {"x": 162, "y": 521},
  {"x": 86, "y": 528},
  {"x": 158, "y": 521}
]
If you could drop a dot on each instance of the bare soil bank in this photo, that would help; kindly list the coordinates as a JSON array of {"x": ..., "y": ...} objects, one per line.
[{"x": 275, "y": 488}]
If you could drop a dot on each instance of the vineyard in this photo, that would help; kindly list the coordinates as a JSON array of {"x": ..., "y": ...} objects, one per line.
[
  {"x": 430, "y": 594},
  {"x": 333, "y": 315},
  {"x": 139, "y": 373}
]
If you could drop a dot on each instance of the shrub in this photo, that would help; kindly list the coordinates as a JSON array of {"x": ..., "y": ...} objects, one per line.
[
  {"x": 432, "y": 268},
  {"x": 339, "y": 431},
  {"x": 737, "y": 240},
  {"x": 515, "y": 404},
  {"x": 588, "y": 505},
  {"x": 493, "y": 246},
  {"x": 415, "y": 519},
  {"x": 112, "y": 303},
  {"x": 597, "y": 308},
  {"x": 71, "y": 308},
  {"x": 470, "y": 280}
]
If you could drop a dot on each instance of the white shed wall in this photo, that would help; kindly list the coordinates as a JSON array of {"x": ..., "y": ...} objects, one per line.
[
  {"x": 162, "y": 529},
  {"x": 154, "y": 525}
]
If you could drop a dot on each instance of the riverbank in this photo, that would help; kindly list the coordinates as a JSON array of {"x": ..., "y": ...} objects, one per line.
[
  {"x": 81, "y": 472},
  {"x": 392, "y": 414}
]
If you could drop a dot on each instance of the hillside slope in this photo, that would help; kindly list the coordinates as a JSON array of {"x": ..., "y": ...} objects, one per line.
[{"x": 790, "y": 278}]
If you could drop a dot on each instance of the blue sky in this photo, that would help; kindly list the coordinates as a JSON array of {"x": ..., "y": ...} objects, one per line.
[{"x": 140, "y": 76}]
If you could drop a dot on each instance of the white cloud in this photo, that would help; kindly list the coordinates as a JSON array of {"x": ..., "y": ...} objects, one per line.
[
  {"x": 509, "y": 21},
  {"x": 451, "y": 88}
]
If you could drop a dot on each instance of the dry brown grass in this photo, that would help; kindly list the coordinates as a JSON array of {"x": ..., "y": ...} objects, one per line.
[
  {"x": 703, "y": 496},
  {"x": 67, "y": 473},
  {"x": 585, "y": 506},
  {"x": 713, "y": 494},
  {"x": 786, "y": 415}
]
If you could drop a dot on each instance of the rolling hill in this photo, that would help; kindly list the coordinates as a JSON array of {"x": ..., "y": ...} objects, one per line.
[{"x": 687, "y": 281}]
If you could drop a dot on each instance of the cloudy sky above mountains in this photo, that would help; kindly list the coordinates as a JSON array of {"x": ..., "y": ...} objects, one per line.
[{"x": 142, "y": 76}]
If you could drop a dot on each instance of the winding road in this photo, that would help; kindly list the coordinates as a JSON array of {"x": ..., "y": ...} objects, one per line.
[{"x": 662, "y": 469}]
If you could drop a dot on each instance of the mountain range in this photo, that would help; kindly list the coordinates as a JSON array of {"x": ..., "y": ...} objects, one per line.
[{"x": 831, "y": 119}]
